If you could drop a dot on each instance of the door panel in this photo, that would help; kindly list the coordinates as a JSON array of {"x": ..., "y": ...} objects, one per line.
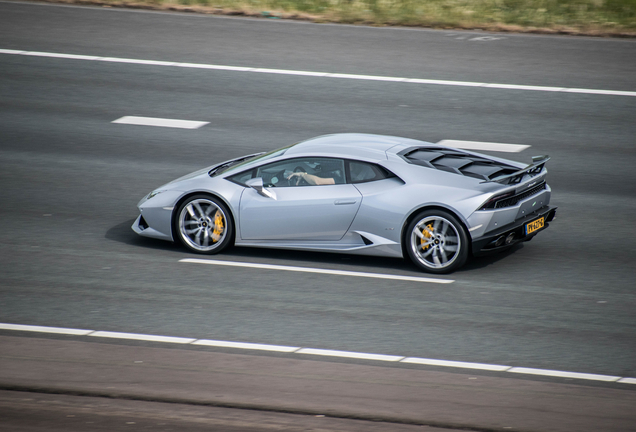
[{"x": 314, "y": 213}]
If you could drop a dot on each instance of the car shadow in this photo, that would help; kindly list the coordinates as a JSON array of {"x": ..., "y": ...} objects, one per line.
[
  {"x": 481, "y": 262},
  {"x": 122, "y": 233}
]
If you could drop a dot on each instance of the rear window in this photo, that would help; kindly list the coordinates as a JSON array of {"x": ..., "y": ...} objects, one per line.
[{"x": 362, "y": 172}]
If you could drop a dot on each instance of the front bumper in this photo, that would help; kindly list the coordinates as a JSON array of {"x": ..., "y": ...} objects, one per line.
[
  {"x": 140, "y": 226},
  {"x": 513, "y": 233}
]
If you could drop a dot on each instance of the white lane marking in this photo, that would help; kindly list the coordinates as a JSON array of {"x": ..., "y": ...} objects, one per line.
[
  {"x": 65, "y": 56},
  {"x": 245, "y": 345},
  {"x": 484, "y": 146},
  {"x": 314, "y": 351},
  {"x": 448, "y": 363},
  {"x": 142, "y": 337},
  {"x": 525, "y": 87},
  {"x": 601, "y": 92},
  {"x": 322, "y": 74},
  {"x": 349, "y": 354},
  {"x": 10, "y": 51},
  {"x": 135, "y": 61},
  {"x": 41, "y": 329},
  {"x": 444, "y": 82},
  {"x": 564, "y": 374},
  {"x": 160, "y": 122},
  {"x": 366, "y": 77},
  {"x": 287, "y": 72},
  {"x": 315, "y": 270}
]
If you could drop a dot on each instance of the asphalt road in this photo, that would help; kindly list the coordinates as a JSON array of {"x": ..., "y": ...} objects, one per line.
[
  {"x": 52, "y": 413},
  {"x": 70, "y": 179}
]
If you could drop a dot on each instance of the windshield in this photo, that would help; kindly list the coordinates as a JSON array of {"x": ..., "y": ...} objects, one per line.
[{"x": 238, "y": 164}]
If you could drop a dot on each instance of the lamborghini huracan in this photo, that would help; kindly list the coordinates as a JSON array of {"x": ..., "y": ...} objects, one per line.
[{"x": 360, "y": 194}]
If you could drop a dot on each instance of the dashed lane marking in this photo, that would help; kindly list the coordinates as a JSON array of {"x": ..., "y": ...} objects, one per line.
[
  {"x": 41, "y": 329},
  {"x": 142, "y": 337},
  {"x": 484, "y": 146},
  {"x": 318, "y": 352},
  {"x": 245, "y": 345},
  {"x": 320, "y": 74},
  {"x": 160, "y": 122},
  {"x": 349, "y": 354},
  {"x": 316, "y": 270},
  {"x": 458, "y": 364},
  {"x": 564, "y": 374}
]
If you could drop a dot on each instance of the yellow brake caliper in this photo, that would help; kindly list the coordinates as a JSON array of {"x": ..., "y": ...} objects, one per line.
[
  {"x": 218, "y": 226},
  {"x": 427, "y": 232}
]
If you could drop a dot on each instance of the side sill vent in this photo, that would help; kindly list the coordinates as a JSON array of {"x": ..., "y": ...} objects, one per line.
[{"x": 366, "y": 241}]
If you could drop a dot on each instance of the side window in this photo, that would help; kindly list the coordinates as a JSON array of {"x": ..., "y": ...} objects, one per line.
[
  {"x": 302, "y": 172},
  {"x": 241, "y": 178},
  {"x": 361, "y": 172}
]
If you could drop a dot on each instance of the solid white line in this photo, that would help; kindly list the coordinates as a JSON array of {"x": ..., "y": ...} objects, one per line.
[
  {"x": 160, "y": 122},
  {"x": 365, "y": 77},
  {"x": 525, "y": 87},
  {"x": 288, "y": 72},
  {"x": 484, "y": 146},
  {"x": 215, "y": 67},
  {"x": 10, "y": 51},
  {"x": 457, "y": 364},
  {"x": 134, "y": 61},
  {"x": 445, "y": 82},
  {"x": 41, "y": 329},
  {"x": 601, "y": 92},
  {"x": 245, "y": 345},
  {"x": 564, "y": 374},
  {"x": 142, "y": 337},
  {"x": 315, "y": 270},
  {"x": 325, "y": 74},
  {"x": 349, "y": 354},
  {"x": 627, "y": 380},
  {"x": 65, "y": 56}
]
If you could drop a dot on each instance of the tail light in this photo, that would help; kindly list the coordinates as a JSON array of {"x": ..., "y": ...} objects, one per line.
[{"x": 490, "y": 204}]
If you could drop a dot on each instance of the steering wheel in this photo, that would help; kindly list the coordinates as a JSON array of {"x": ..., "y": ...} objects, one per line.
[{"x": 298, "y": 180}]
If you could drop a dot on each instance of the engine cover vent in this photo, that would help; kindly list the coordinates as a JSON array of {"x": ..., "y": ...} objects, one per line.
[{"x": 457, "y": 162}]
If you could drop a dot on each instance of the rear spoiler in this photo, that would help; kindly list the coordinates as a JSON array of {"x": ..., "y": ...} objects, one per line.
[{"x": 538, "y": 162}]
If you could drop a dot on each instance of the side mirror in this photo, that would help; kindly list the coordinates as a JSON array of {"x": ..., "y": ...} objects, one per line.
[{"x": 257, "y": 185}]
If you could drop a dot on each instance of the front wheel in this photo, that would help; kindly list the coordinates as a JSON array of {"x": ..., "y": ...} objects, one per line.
[
  {"x": 203, "y": 224},
  {"x": 437, "y": 242}
]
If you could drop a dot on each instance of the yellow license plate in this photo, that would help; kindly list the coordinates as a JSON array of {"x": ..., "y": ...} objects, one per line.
[{"x": 534, "y": 225}]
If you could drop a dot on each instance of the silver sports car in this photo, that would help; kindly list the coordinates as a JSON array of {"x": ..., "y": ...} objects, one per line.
[{"x": 356, "y": 193}]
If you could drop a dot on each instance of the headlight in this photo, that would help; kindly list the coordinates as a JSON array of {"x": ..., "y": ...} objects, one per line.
[{"x": 154, "y": 194}]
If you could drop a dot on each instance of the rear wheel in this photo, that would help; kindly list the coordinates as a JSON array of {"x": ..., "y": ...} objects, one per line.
[
  {"x": 203, "y": 224},
  {"x": 437, "y": 242}
]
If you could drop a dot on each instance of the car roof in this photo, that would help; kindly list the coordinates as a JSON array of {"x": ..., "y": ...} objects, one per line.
[{"x": 354, "y": 145}]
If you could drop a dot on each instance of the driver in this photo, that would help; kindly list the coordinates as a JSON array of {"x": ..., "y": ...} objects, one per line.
[{"x": 311, "y": 179}]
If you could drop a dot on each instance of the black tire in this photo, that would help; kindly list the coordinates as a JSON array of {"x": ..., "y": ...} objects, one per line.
[
  {"x": 203, "y": 224},
  {"x": 437, "y": 242}
]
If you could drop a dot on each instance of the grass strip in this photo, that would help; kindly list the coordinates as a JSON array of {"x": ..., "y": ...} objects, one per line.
[{"x": 576, "y": 17}]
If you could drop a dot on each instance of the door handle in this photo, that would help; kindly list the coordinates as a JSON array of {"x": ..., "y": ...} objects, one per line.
[{"x": 345, "y": 202}]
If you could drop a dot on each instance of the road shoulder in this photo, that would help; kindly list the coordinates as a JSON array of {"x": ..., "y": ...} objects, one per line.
[{"x": 308, "y": 387}]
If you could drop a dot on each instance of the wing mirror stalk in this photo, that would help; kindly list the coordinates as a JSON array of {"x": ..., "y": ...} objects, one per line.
[{"x": 257, "y": 185}]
